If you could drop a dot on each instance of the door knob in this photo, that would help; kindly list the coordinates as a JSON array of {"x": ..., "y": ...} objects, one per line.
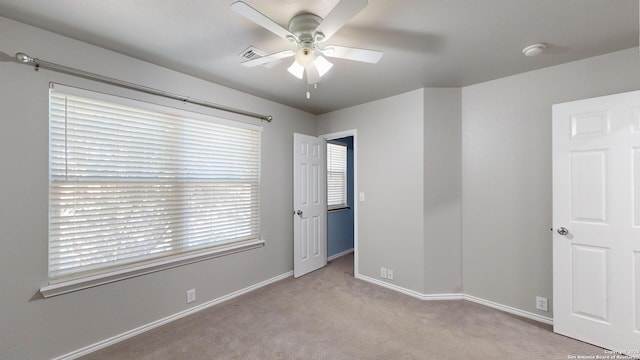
[
  {"x": 563, "y": 231},
  {"x": 299, "y": 213}
]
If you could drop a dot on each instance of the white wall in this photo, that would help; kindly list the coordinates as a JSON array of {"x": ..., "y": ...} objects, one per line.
[
  {"x": 35, "y": 328},
  {"x": 442, "y": 191},
  {"x": 390, "y": 173},
  {"x": 506, "y": 172}
]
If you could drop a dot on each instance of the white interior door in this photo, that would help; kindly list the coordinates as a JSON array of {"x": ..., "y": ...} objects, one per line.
[
  {"x": 596, "y": 221},
  {"x": 309, "y": 203}
]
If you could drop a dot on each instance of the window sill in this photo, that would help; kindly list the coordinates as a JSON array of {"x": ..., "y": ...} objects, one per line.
[
  {"x": 163, "y": 264},
  {"x": 339, "y": 209}
]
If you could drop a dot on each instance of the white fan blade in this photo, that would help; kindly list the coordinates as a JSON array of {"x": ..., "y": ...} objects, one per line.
[
  {"x": 339, "y": 15},
  {"x": 312, "y": 74},
  {"x": 349, "y": 53},
  {"x": 268, "y": 58},
  {"x": 262, "y": 20}
]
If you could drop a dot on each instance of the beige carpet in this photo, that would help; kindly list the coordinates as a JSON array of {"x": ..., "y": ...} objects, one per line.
[{"x": 328, "y": 314}]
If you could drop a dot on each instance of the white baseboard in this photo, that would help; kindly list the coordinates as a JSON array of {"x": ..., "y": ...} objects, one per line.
[
  {"x": 509, "y": 309},
  {"x": 409, "y": 292},
  {"x": 126, "y": 335},
  {"x": 427, "y": 297},
  {"x": 397, "y": 288},
  {"x": 343, "y": 253}
]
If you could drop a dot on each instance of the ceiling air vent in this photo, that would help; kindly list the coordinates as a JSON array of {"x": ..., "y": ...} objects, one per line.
[{"x": 252, "y": 52}]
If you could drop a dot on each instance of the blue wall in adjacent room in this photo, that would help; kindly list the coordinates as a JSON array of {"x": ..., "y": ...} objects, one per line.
[{"x": 340, "y": 222}]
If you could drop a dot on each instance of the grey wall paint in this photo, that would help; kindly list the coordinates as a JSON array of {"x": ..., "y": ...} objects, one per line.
[
  {"x": 506, "y": 169},
  {"x": 506, "y": 188},
  {"x": 33, "y": 328},
  {"x": 340, "y": 222},
  {"x": 397, "y": 199},
  {"x": 442, "y": 191},
  {"x": 389, "y": 154}
]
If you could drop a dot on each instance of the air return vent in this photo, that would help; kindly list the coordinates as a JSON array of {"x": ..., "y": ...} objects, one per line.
[{"x": 252, "y": 52}]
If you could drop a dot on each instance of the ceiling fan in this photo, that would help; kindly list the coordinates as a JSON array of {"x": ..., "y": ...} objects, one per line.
[{"x": 308, "y": 32}]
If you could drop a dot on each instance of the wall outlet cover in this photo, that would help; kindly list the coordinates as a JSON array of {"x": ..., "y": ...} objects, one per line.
[
  {"x": 191, "y": 295},
  {"x": 542, "y": 303}
]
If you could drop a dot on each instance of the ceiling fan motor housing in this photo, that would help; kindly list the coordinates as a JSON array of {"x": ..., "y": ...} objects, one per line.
[{"x": 303, "y": 26}]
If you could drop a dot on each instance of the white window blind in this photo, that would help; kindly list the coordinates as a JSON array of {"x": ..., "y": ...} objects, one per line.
[
  {"x": 336, "y": 175},
  {"x": 129, "y": 186}
]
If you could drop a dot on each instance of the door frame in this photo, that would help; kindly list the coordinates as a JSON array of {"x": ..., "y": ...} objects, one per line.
[{"x": 354, "y": 134}]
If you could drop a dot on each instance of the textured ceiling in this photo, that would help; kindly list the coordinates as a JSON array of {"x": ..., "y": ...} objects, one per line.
[{"x": 426, "y": 43}]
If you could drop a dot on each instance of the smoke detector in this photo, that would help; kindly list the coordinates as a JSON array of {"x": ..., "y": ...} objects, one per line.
[{"x": 535, "y": 49}]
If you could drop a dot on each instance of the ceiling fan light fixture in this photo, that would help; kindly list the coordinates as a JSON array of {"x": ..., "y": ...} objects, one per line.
[
  {"x": 323, "y": 65},
  {"x": 296, "y": 70},
  {"x": 304, "y": 56},
  {"x": 307, "y": 31}
]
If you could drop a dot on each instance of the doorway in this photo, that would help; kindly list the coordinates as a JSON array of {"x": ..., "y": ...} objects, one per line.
[{"x": 342, "y": 219}]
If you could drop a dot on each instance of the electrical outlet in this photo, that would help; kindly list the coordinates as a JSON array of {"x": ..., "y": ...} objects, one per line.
[
  {"x": 389, "y": 274},
  {"x": 383, "y": 273},
  {"x": 191, "y": 295},
  {"x": 542, "y": 303}
]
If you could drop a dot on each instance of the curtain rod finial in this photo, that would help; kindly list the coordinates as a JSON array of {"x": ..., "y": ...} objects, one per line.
[{"x": 23, "y": 58}]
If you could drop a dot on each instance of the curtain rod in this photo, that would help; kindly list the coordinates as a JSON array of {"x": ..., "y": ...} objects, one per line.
[{"x": 37, "y": 63}]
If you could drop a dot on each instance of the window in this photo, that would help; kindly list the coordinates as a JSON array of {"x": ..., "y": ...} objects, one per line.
[
  {"x": 129, "y": 186},
  {"x": 336, "y": 175}
]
